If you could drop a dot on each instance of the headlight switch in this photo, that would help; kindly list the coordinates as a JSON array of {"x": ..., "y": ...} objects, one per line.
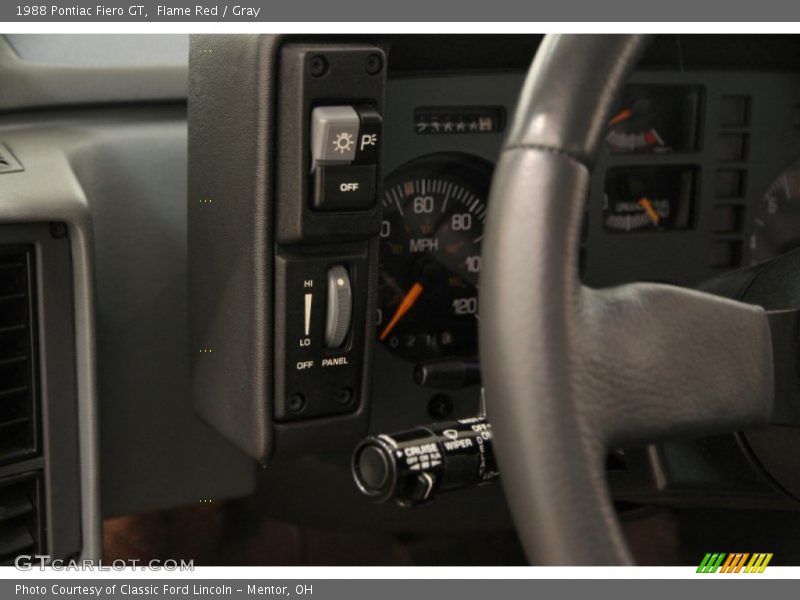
[{"x": 344, "y": 155}]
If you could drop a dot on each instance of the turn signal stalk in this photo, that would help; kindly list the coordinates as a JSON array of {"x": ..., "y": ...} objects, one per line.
[{"x": 412, "y": 466}]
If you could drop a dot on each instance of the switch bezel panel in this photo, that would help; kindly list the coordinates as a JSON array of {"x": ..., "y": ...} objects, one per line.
[
  {"x": 345, "y": 81},
  {"x": 311, "y": 378},
  {"x": 320, "y": 406},
  {"x": 250, "y": 207}
]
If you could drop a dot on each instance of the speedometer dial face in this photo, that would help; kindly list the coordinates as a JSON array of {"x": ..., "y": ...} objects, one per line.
[
  {"x": 434, "y": 210},
  {"x": 776, "y": 225}
]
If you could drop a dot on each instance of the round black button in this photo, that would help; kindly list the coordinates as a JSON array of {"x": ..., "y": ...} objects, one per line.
[{"x": 373, "y": 468}]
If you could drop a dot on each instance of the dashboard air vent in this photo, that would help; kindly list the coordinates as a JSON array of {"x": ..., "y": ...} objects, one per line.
[
  {"x": 18, "y": 413},
  {"x": 20, "y": 525},
  {"x": 8, "y": 164}
]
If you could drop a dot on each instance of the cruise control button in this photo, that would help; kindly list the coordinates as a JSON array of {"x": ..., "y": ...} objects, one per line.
[{"x": 344, "y": 187}]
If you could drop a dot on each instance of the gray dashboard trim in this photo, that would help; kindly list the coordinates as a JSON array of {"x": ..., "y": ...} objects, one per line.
[
  {"x": 101, "y": 50},
  {"x": 130, "y": 164},
  {"x": 28, "y": 85},
  {"x": 25, "y": 198},
  {"x": 231, "y": 112}
]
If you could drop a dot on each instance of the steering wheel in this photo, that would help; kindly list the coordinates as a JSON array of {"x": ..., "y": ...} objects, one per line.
[{"x": 572, "y": 372}]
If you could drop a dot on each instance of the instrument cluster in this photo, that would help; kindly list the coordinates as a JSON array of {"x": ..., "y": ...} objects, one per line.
[{"x": 698, "y": 175}]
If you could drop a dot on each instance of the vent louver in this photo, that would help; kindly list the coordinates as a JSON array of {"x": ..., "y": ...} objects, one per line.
[
  {"x": 18, "y": 385},
  {"x": 20, "y": 527},
  {"x": 8, "y": 164}
]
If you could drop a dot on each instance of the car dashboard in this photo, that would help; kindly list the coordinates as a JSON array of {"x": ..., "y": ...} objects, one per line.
[{"x": 698, "y": 175}]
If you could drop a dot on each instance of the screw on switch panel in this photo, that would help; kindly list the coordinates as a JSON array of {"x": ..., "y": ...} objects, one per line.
[
  {"x": 344, "y": 396},
  {"x": 318, "y": 66},
  {"x": 374, "y": 64},
  {"x": 58, "y": 230},
  {"x": 296, "y": 403}
]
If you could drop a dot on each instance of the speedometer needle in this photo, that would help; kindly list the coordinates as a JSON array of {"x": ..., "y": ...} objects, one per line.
[{"x": 405, "y": 305}]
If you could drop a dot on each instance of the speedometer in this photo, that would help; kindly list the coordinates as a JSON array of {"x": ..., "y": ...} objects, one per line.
[{"x": 434, "y": 209}]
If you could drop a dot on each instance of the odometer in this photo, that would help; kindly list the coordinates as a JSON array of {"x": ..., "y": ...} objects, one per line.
[{"x": 434, "y": 209}]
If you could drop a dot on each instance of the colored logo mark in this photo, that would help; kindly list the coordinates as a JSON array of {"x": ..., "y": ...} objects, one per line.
[{"x": 736, "y": 562}]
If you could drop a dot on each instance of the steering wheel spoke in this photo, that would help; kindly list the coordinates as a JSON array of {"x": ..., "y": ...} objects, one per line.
[{"x": 659, "y": 362}]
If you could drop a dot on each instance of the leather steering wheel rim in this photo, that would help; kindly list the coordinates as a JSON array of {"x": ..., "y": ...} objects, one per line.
[{"x": 568, "y": 370}]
